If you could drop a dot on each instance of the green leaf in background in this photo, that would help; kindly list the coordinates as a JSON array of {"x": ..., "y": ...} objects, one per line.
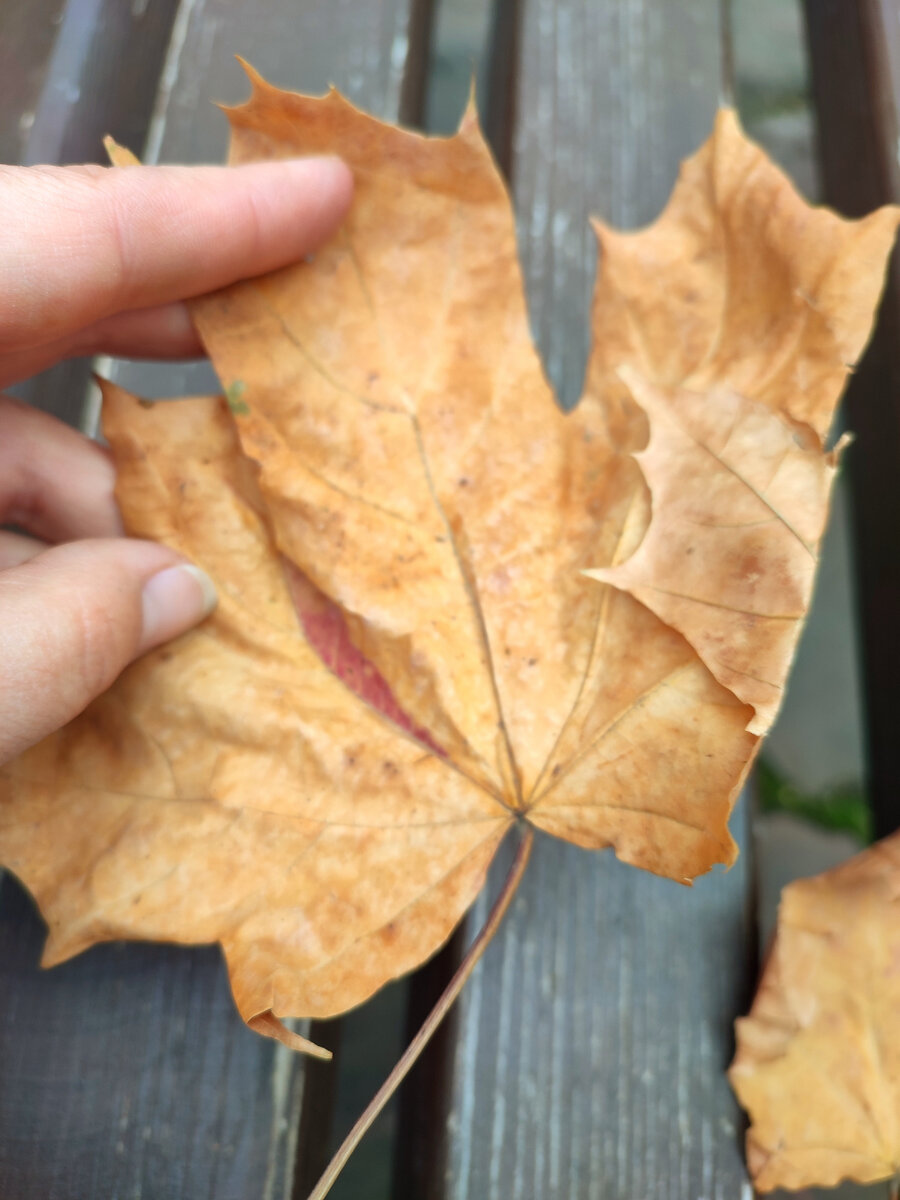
[{"x": 844, "y": 808}]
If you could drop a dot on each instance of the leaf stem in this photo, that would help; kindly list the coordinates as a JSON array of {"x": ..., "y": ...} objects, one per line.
[
  {"x": 894, "y": 1188},
  {"x": 432, "y": 1021}
]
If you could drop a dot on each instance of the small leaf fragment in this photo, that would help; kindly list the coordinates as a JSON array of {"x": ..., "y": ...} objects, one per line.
[
  {"x": 119, "y": 156},
  {"x": 233, "y": 395}
]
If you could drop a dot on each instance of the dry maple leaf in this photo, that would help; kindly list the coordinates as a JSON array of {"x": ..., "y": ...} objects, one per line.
[
  {"x": 818, "y": 1058},
  {"x": 393, "y": 440}
]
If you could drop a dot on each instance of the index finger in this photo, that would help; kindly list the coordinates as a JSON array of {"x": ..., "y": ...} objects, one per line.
[
  {"x": 54, "y": 482},
  {"x": 78, "y": 244}
]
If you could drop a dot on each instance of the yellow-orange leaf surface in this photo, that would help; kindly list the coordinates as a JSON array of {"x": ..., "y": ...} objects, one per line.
[
  {"x": 392, "y": 480},
  {"x": 818, "y": 1058}
]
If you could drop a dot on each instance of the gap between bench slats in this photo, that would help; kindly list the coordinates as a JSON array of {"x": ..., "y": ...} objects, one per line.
[{"x": 855, "y": 61}]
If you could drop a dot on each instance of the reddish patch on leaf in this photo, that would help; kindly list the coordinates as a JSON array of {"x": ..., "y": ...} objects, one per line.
[{"x": 327, "y": 633}]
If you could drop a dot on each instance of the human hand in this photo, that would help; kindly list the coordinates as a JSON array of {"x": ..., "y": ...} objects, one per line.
[{"x": 96, "y": 260}]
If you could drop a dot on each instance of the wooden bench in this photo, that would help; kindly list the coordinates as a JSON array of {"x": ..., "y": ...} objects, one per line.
[{"x": 587, "y": 1056}]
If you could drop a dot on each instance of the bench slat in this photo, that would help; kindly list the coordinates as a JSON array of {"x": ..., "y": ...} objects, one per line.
[
  {"x": 28, "y": 30},
  {"x": 127, "y": 1072},
  {"x": 591, "y": 1045}
]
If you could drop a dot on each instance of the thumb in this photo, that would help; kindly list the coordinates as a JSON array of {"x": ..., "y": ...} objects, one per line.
[{"x": 73, "y": 617}]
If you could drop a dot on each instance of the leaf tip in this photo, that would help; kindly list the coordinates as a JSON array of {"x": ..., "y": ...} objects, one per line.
[
  {"x": 835, "y": 455},
  {"x": 258, "y": 89},
  {"x": 469, "y": 119},
  {"x": 119, "y": 156},
  {"x": 728, "y": 136},
  {"x": 267, "y": 1024},
  {"x": 727, "y": 119},
  {"x": 254, "y": 78}
]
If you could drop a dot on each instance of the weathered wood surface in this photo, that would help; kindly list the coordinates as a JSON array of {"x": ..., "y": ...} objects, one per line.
[
  {"x": 591, "y": 1044},
  {"x": 126, "y": 1072},
  {"x": 855, "y": 62},
  {"x": 28, "y": 31},
  {"x": 101, "y": 78}
]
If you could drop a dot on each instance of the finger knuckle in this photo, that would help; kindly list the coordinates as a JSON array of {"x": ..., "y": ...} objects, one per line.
[{"x": 99, "y": 645}]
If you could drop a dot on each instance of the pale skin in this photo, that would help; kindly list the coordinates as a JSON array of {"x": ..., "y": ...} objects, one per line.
[{"x": 96, "y": 260}]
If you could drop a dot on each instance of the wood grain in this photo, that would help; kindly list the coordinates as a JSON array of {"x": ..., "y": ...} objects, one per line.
[
  {"x": 101, "y": 78},
  {"x": 28, "y": 30},
  {"x": 591, "y": 1047},
  {"x": 127, "y": 1072}
]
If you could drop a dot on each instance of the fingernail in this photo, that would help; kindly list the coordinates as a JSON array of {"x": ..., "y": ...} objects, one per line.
[
  {"x": 328, "y": 174},
  {"x": 174, "y": 600}
]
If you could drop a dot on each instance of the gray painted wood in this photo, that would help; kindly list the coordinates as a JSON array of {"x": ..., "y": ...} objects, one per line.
[
  {"x": 592, "y": 1041},
  {"x": 28, "y": 30},
  {"x": 611, "y": 96},
  {"x": 126, "y": 1073},
  {"x": 591, "y": 1044}
]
